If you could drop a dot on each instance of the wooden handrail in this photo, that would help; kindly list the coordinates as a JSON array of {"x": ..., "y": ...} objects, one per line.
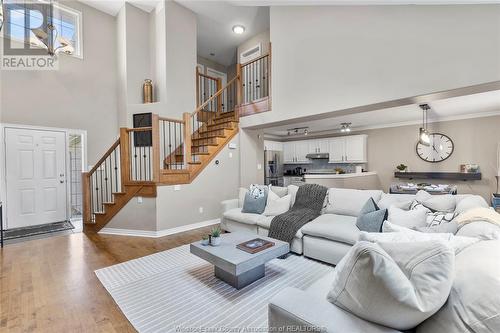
[
  {"x": 104, "y": 157},
  {"x": 254, "y": 60},
  {"x": 171, "y": 120},
  {"x": 139, "y": 129},
  {"x": 208, "y": 76},
  {"x": 214, "y": 96}
]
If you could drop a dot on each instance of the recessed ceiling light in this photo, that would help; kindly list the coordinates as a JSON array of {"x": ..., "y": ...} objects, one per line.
[{"x": 238, "y": 29}]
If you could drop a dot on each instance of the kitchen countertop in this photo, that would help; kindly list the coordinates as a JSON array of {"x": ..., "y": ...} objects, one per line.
[{"x": 334, "y": 175}]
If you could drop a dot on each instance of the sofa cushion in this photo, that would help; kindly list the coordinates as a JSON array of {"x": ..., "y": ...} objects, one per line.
[
  {"x": 339, "y": 228},
  {"x": 389, "y": 199},
  {"x": 467, "y": 202},
  {"x": 265, "y": 223},
  {"x": 344, "y": 201},
  {"x": 235, "y": 214},
  {"x": 393, "y": 284},
  {"x": 473, "y": 304},
  {"x": 480, "y": 229}
]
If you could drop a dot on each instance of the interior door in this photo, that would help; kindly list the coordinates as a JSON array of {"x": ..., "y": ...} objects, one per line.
[
  {"x": 223, "y": 76},
  {"x": 35, "y": 175}
]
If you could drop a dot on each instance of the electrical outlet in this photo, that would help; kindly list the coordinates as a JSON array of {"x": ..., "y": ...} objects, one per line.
[
  {"x": 201, "y": 210},
  {"x": 177, "y": 187},
  {"x": 139, "y": 200}
]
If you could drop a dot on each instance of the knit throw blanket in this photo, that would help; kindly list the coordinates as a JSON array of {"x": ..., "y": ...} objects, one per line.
[{"x": 308, "y": 204}]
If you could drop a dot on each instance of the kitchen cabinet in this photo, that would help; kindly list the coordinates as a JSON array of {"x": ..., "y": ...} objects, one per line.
[
  {"x": 319, "y": 146},
  {"x": 348, "y": 149},
  {"x": 273, "y": 145},
  {"x": 295, "y": 152},
  {"x": 337, "y": 150}
]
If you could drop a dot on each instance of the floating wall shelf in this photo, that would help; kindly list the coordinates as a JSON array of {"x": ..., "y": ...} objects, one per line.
[{"x": 439, "y": 175}]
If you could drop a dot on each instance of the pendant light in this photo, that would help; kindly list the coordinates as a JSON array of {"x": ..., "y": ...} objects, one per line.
[{"x": 423, "y": 133}]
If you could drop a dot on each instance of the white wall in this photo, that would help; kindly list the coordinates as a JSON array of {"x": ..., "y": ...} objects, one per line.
[
  {"x": 332, "y": 58},
  {"x": 180, "y": 60},
  {"x": 263, "y": 38},
  {"x": 213, "y": 185},
  {"x": 82, "y": 94}
]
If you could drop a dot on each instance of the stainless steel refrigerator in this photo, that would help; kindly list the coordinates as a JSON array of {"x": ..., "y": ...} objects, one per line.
[{"x": 273, "y": 172}]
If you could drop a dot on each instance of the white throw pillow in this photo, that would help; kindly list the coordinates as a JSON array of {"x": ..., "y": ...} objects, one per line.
[
  {"x": 408, "y": 218},
  {"x": 397, "y": 234},
  {"x": 440, "y": 203},
  {"x": 388, "y": 199},
  {"x": 292, "y": 191},
  {"x": 279, "y": 190},
  {"x": 276, "y": 205},
  {"x": 394, "y": 284}
]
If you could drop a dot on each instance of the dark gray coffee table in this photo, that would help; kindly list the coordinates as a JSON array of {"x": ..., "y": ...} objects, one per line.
[{"x": 234, "y": 266}]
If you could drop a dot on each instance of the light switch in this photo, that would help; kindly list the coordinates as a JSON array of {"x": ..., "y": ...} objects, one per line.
[
  {"x": 139, "y": 200},
  {"x": 232, "y": 145},
  {"x": 177, "y": 187},
  {"x": 259, "y": 166},
  {"x": 230, "y": 155}
]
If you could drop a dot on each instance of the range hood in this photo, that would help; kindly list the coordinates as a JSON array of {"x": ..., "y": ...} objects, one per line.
[{"x": 318, "y": 156}]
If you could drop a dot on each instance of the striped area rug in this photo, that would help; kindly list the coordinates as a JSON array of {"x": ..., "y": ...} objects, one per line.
[{"x": 175, "y": 291}]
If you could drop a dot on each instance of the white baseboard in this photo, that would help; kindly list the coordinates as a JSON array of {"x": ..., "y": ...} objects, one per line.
[{"x": 160, "y": 233}]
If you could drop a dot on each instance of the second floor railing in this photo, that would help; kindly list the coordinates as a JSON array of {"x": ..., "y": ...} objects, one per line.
[{"x": 255, "y": 79}]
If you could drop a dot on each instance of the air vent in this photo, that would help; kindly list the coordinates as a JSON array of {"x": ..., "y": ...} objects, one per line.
[{"x": 251, "y": 53}]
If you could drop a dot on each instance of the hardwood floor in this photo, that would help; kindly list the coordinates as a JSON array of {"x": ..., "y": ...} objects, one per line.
[{"x": 49, "y": 285}]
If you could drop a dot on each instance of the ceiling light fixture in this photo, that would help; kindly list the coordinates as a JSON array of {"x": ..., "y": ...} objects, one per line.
[
  {"x": 238, "y": 29},
  {"x": 298, "y": 131},
  {"x": 47, "y": 36},
  {"x": 345, "y": 127},
  {"x": 423, "y": 133}
]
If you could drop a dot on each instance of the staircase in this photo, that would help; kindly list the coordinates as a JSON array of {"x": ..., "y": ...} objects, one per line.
[
  {"x": 170, "y": 152},
  {"x": 173, "y": 151}
]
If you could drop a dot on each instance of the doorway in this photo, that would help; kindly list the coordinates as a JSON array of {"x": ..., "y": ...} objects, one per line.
[{"x": 35, "y": 170}]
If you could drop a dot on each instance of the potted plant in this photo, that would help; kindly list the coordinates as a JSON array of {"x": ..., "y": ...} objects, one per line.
[
  {"x": 215, "y": 238},
  {"x": 402, "y": 168},
  {"x": 204, "y": 240}
]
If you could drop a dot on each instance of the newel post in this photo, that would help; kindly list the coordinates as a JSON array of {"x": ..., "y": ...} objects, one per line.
[
  {"x": 186, "y": 119},
  {"x": 155, "y": 133},
  {"x": 124, "y": 156},
  {"x": 86, "y": 200}
]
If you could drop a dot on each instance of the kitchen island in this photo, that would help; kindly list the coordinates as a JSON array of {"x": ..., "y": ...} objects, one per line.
[{"x": 360, "y": 180}]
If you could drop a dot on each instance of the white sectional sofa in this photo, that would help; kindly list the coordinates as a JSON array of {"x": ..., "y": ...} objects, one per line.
[{"x": 330, "y": 236}]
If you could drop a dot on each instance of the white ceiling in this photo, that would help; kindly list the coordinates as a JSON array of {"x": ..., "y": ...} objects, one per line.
[
  {"x": 356, "y": 2},
  {"x": 463, "y": 107},
  {"x": 215, "y": 22},
  {"x": 112, "y": 7}
]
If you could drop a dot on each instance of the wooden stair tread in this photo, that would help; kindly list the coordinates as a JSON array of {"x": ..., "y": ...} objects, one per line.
[
  {"x": 204, "y": 145},
  {"x": 194, "y": 162}
]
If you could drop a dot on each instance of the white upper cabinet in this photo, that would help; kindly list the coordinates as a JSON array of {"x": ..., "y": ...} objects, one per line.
[
  {"x": 296, "y": 151},
  {"x": 273, "y": 145},
  {"x": 337, "y": 150},
  {"x": 345, "y": 149},
  {"x": 319, "y": 146},
  {"x": 355, "y": 148},
  {"x": 289, "y": 152},
  {"x": 301, "y": 150},
  {"x": 348, "y": 149}
]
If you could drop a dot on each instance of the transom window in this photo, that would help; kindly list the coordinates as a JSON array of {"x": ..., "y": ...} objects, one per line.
[{"x": 23, "y": 16}]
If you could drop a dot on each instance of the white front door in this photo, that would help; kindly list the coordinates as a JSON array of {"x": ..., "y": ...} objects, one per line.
[{"x": 35, "y": 176}]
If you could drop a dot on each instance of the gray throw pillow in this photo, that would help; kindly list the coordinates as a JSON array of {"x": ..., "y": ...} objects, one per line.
[
  {"x": 370, "y": 217},
  {"x": 255, "y": 200}
]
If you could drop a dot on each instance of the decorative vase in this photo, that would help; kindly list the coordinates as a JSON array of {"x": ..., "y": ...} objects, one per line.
[
  {"x": 147, "y": 91},
  {"x": 215, "y": 241},
  {"x": 204, "y": 242}
]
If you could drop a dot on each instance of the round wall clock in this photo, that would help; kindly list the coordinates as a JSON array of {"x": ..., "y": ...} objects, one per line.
[{"x": 441, "y": 147}]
